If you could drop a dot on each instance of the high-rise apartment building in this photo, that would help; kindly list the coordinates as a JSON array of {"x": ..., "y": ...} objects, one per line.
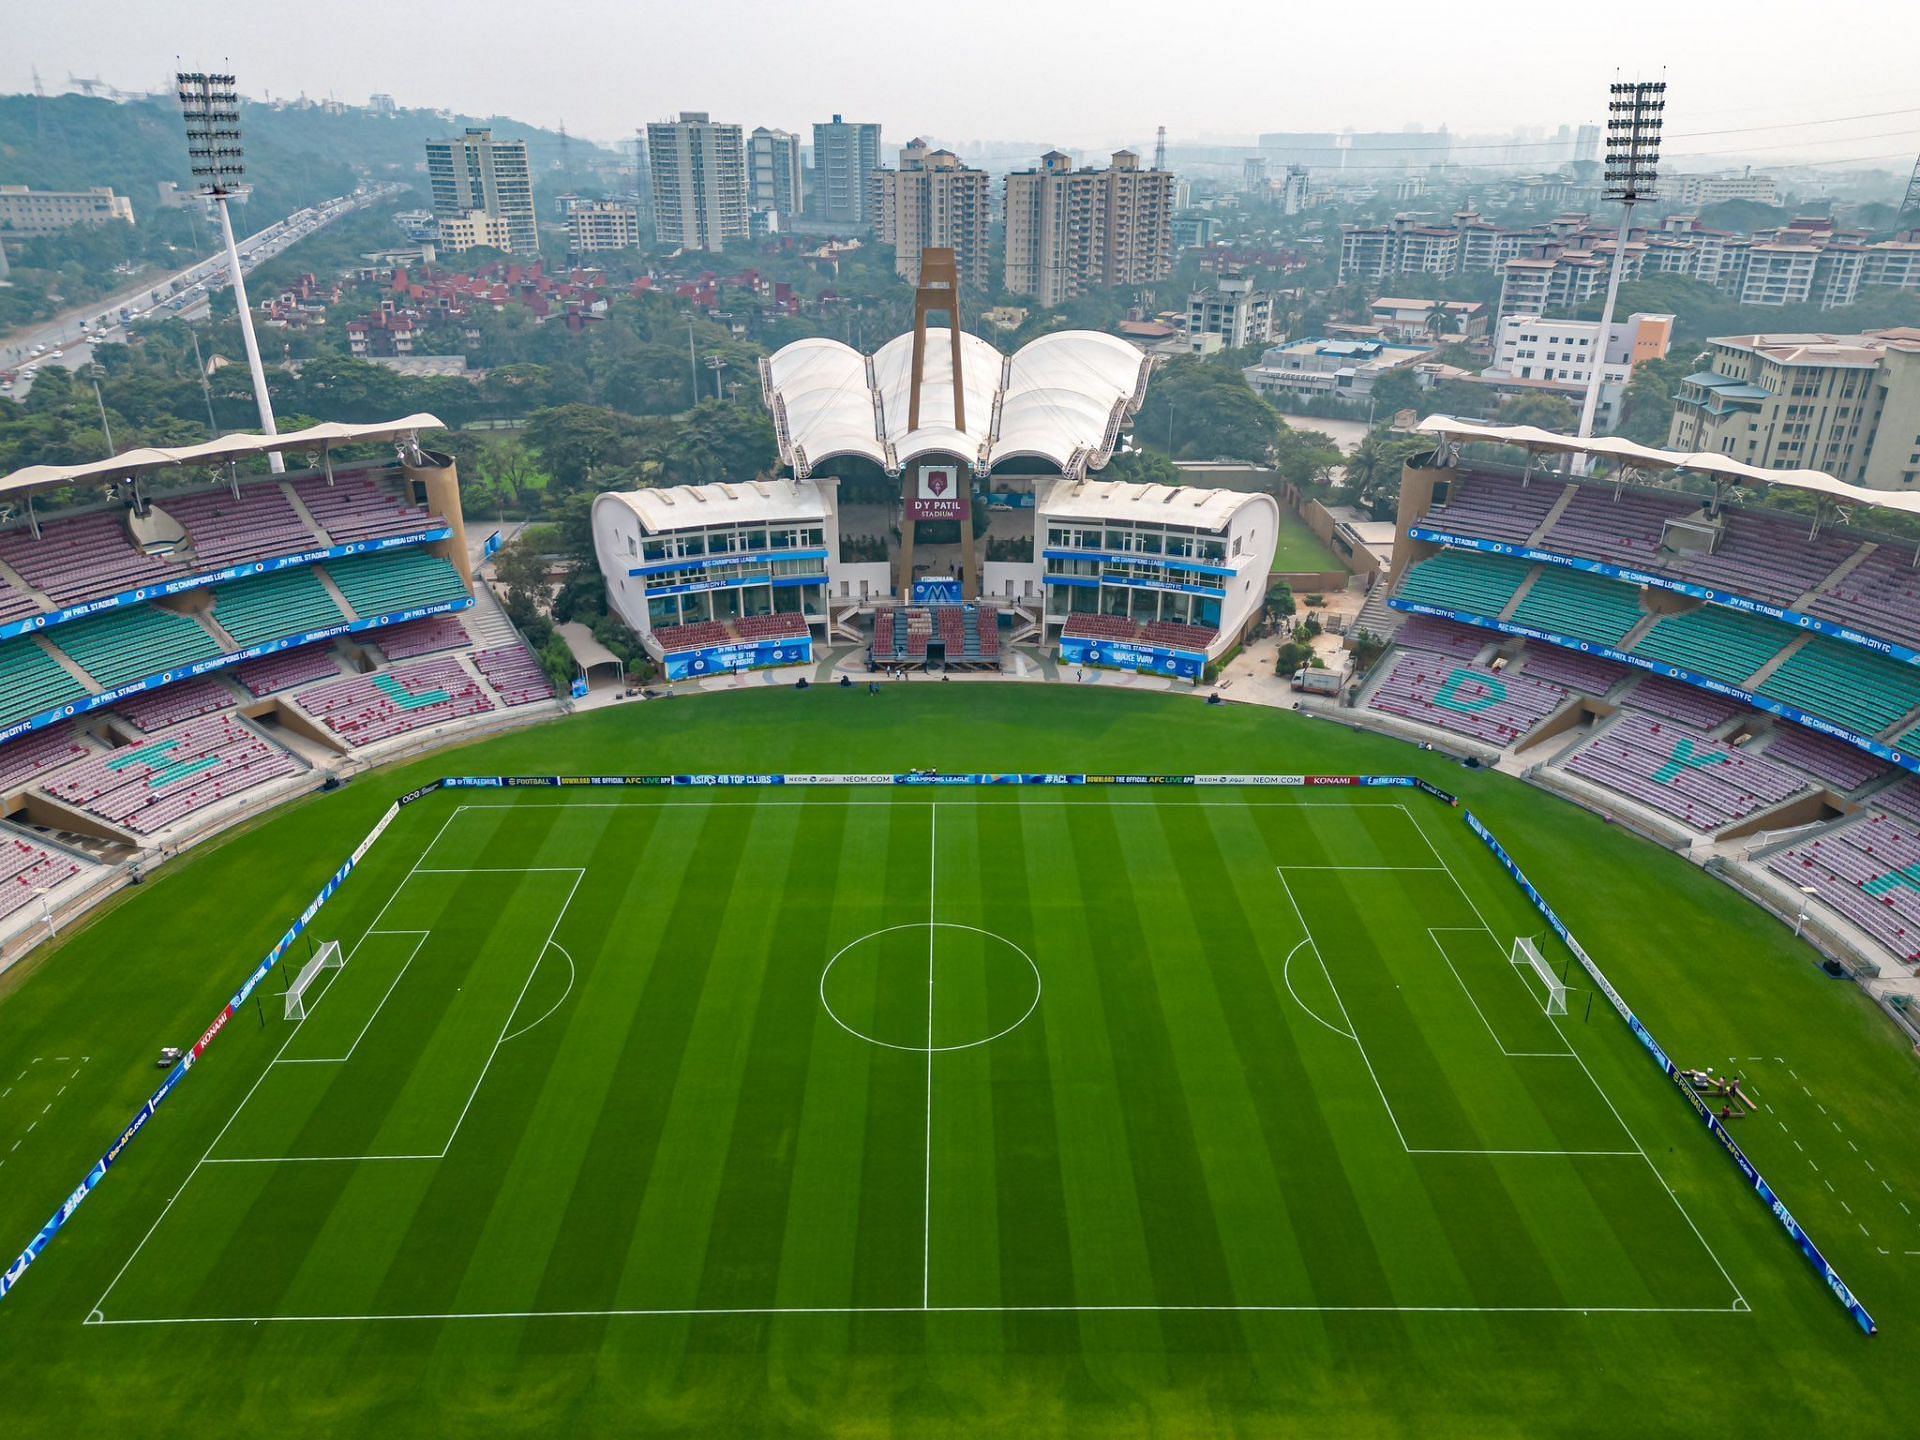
[
  {"x": 933, "y": 200},
  {"x": 773, "y": 172},
  {"x": 1845, "y": 404},
  {"x": 699, "y": 173},
  {"x": 1070, "y": 231},
  {"x": 845, "y": 156},
  {"x": 594, "y": 226},
  {"x": 473, "y": 172},
  {"x": 1234, "y": 311}
]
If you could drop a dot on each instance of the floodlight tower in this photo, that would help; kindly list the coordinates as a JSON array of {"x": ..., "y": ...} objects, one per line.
[
  {"x": 211, "y": 106},
  {"x": 1910, "y": 207},
  {"x": 1634, "y": 114}
]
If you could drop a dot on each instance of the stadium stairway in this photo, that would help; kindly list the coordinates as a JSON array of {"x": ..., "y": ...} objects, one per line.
[{"x": 1552, "y": 517}]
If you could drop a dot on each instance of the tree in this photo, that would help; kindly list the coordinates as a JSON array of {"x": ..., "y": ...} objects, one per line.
[
  {"x": 1201, "y": 411},
  {"x": 1548, "y": 412},
  {"x": 1647, "y": 413}
]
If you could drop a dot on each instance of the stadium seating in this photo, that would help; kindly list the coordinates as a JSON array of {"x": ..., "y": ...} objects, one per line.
[
  {"x": 1766, "y": 558},
  {"x": 1726, "y": 645},
  {"x": 1677, "y": 700},
  {"x": 83, "y": 557},
  {"x": 1832, "y": 762},
  {"x": 1162, "y": 633},
  {"x": 24, "y": 868},
  {"x": 1880, "y": 595},
  {"x": 1494, "y": 507},
  {"x": 272, "y": 607},
  {"x": 365, "y": 709},
  {"x": 23, "y": 758},
  {"x": 1465, "y": 580},
  {"x": 31, "y": 680},
  {"x": 15, "y": 604},
  {"x": 1680, "y": 773},
  {"x": 397, "y": 580},
  {"x": 1571, "y": 669},
  {"x": 133, "y": 642},
  {"x": 1464, "y": 698},
  {"x": 355, "y": 507},
  {"x": 1442, "y": 637},
  {"x": 1580, "y": 606},
  {"x": 259, "y": 524},
  {"x": 151, "y": 785},
  {"x": 1842, "y": 682},
  {"x": 422, "y": 637},
  {"x": 169, "y": 705},
  {"x": 697, "y": 635},
  {"x": 1622, "y": 531},
  {"x": 514, "y": 674},
  {"x": 1868, "y": 872},
  {"x": 771, "y": 627},
  {"x": 285, "y": 669}
]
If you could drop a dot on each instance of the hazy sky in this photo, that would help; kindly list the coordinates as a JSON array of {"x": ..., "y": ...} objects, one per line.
[{"x": 1076, "y": 74}]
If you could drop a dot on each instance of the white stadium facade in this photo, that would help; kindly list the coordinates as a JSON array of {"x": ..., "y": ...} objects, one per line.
[{"x": 1133, "y": 576}]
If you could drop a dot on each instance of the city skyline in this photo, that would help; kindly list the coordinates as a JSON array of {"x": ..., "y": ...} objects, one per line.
[{"x": 1547, "y": 76}]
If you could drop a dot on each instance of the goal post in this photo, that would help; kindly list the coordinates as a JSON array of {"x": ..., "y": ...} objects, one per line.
[
  {"x": 1526, "y": 953},
  {"x": 328, "y": 957}
]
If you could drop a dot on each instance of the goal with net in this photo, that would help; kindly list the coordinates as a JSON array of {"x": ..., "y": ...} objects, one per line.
[
  {"x": 1526, "y": 953},
  {"x": 327, "y": 957}
]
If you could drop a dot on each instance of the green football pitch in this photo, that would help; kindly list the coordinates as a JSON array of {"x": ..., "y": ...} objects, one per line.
[
  {"x": 1029, "y": 1110},
  {"x": 1019, "y": 1051}
]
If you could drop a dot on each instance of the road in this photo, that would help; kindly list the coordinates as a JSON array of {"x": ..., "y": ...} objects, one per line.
[{"x": 69, "y": 341}]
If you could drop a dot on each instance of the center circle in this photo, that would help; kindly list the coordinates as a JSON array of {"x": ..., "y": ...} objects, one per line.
[{"x": 930, "y": 986}]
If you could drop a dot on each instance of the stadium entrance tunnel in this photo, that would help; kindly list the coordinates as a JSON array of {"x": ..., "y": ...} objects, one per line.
[{"x": 930, "y": 986}]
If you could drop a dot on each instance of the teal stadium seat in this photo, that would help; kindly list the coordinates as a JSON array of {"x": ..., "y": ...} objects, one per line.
[
  {"x": 271, "y": 607},
  {"x": 382, "y": 584},
  {"x": 135, "y": 642},
  {"x": 32, "y": 680},
  {"x": 1845, "y": 683},
  {"x": 1583, "y": 606},
  {"x": 1465, "y": 580},
  {"x": 1726, "y": 645}
]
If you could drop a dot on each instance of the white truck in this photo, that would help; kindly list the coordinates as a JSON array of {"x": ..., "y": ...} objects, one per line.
[{"x": 1317, "y": 682}]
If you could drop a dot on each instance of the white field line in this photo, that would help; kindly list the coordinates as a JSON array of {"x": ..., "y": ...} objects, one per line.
[
  {"x": 1352, "y": 1030},
  {"x": 419, "y": 941},
  {"x": 265, "y": 1071},
  {"x": 1433, "y": 933},
  {"x": 1121, "y": 1309},
  {"x": 926, "y": 1211},
  {"x": 1739, "y": 1297}
]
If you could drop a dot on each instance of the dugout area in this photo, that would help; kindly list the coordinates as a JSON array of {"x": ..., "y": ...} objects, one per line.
[{"x": 741, "y": 1051}]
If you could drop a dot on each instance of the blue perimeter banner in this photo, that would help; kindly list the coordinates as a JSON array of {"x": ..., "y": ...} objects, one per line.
[
  {"x": 1117, "y": 655},
  {"x": 11, "y": 1276},
  {"x": 1674, "y": 1074},
  {"x": 1673, "y": 672},
  {"x": 89, "y": 703},
  {"x": 219, "y": 577},
  {"x": 1798, "y": 619},
  {"x": 748, "y": 655}
]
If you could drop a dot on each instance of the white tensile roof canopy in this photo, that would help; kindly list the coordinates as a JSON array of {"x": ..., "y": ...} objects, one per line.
[
  {"x": 129, "y": 463},
  {"x": 1631, "y": 455},
  {"x": 1061, "y": 398}
]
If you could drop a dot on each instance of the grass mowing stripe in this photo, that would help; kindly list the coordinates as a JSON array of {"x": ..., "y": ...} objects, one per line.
[
  {"x": 751, "y": 1208},
  {"x": 963, "y": 1259},
  {"x": 1107, "y": 1249},
  {"x": 673, "y": 1231},
  {"x": 889, "y": 1258},
  {"x": 1328, "y": 1252},
  {"x": 670, "y": 927},
  {"x": 820, "y": 1247},
  {"x": 1189, "y": 955},
  {"x": 1035, "y": 1245},
  {"x": 1186, "y": 1258}
]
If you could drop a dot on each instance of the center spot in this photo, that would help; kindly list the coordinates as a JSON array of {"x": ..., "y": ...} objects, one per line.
[{"x": 982, "y": 986}]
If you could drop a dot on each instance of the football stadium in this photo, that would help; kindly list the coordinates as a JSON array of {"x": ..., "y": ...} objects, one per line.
[{"x": 1516, "y": 1041}]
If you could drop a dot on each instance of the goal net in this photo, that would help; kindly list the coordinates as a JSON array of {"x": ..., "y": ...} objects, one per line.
[
  {"x": 327, "y": 957},
  {"x": 1526, "y": 953}
]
